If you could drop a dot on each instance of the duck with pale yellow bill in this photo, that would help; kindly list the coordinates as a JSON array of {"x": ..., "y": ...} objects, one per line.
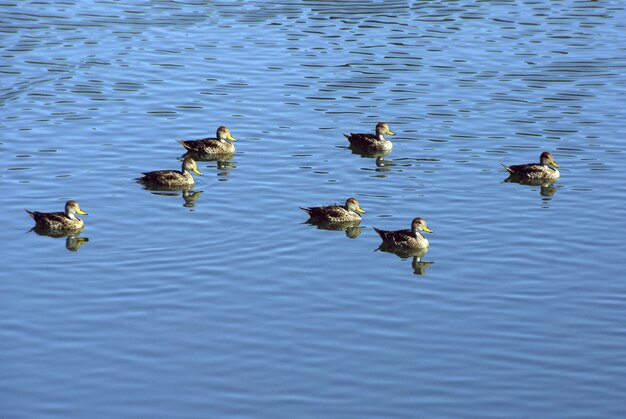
[
  {"x": 172, "y": 178},
  {"x": 349, "y": 212},
  {"x": 372, "y": 142},
  {"x": 406, "y": 239},
  {"x": 219, "y": 146},
  {"x": 543, "y": 171},
  {"x": 59, "y": 221}
]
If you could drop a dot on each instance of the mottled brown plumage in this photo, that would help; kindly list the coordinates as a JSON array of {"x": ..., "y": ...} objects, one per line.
[
  {"x": 535, "y": 171},
  {"x": 59, "y": 221},
  {"x": 172, "y": 178},
  {"x": 336, "y": 213},
  {"x": 406, "y": 239},
  {"x": 372, "y": 142},
  {"x": 218, "y": 146}
]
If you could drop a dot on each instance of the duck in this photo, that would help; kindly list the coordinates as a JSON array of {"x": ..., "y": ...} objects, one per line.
[
  {"x": 350, "y": 212},
  {"x": 172, "y": 178},
  {"x": 406, "y": 239},
  {"x": 59, "y": 221},
  {"x": 219, "y": 145},
  {"x": 535, "y": 171},
  {"x": 372, "y": 142}
]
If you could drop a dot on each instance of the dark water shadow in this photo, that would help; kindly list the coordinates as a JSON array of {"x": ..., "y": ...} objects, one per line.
[
  {"x": 546, "y": 187},
  {"x": 73, "y": 241},
  {"x": 223, "y": 162},
  {"x": 371, "y": 154},
  {"x": 418, "y": 266},
  {"x": 382, "y": 164},
  {"x": 351, "y": 228},
  {"x": 189, "y": 195}
]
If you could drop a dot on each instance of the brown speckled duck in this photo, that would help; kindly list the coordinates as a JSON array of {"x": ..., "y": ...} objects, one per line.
[
  {"x": 406, "y": 239},
  {"x": 172, "y": 178},
  {"x": 372, "y": 142},
  {"x": 59, "y": 221},
  {"x": 219, "y": 145},
  {"x": 337, "y": 213},
  {"x": 536, "y": 171}
]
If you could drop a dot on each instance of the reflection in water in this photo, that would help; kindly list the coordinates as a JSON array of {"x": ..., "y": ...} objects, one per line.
[
  {"x": 546, "y": 190},
  {"x": 382, "y": 165},
  {"x": 72, "y": 240},
  {"x": 375, "y": 154},
  {"x": 189, "y": 196},
  {"x": 351, "y": 228},
  {"x": 419, "y": 267},
  {"x": 209, "y": 157},
  {"x": 224, "y": 165},
  {"x": 74, "y": 243}
]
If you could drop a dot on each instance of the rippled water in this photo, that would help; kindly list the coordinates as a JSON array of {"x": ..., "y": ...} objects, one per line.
[{"x": 223, "y": 302}]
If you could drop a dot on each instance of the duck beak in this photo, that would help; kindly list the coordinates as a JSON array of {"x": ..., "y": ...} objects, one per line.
[
  {"x": 390, "y": 132},
  {"x": 81, "y": 212},
  {"x": 428, "y": 230},
  {"x": 359, "y": 209},
  {"x": 553, "y": 163},
  {"x": 230, "y": 138},
  {"x": 195, "y": 169}
]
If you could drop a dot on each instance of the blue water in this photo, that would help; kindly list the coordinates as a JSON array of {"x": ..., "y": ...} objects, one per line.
[{"x": 225, "y": 303}]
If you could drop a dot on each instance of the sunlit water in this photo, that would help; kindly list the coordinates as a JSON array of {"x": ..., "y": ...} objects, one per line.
[{"x": 225, "y": 303}]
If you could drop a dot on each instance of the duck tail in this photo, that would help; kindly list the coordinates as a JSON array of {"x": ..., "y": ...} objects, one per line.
[
  {"x": 308, "y": 210},
  {"x": 347, "y": 136},
  {"x": 30, "y": 213},
  {"x": 508, "y": 169},
  {"x": 379, "y": 231},
  {"x": 184, "y": 144}
]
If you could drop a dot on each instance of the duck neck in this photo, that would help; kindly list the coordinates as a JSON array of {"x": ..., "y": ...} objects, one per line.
[
  {"x": 71, "y": 215},
  {"x": 380, "y": 137}
]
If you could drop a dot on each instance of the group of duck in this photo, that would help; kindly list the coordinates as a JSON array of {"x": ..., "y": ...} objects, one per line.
[{"x": 331, "y": 216}]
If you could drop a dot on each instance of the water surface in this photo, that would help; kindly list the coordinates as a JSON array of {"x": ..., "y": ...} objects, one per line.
[{"x": 223, "y": 302}]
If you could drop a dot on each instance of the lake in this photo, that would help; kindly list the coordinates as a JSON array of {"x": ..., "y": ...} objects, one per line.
[{"x": 221, "y": 301}]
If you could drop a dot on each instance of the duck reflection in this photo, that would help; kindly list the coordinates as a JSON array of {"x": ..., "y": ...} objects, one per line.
[
  {"x": 189, "y": 195},
  {"x": 546, "y": 187},
  {"x": 419, "y": 266},
  {"x": 351, "y": 228},
  {"x": 371, "y": 154},
  {"x": 73, "y": 241},
  {"x": 223, "y": 161}
]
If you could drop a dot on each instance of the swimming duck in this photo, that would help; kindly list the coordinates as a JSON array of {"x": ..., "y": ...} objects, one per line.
[
  {"x": 406, "y": 239},
  {"x": 371, "y": 142},
  {"x": 337, "y": 213},
  {"x": 172, "y": 178},
  {"x": 59, "y": 221},
  {"x": 212, "y": 146},
  {"x": 534, "y": 171}
]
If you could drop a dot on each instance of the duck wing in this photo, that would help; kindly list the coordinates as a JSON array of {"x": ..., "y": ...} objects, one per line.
[
  {"x": 396, "y": 238},
  {"x": 330, "y": 212},
  {"x": 198, "y": 144},
  {"x": 163, "y": 176},
  {"x": 360, "y": 137}
]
